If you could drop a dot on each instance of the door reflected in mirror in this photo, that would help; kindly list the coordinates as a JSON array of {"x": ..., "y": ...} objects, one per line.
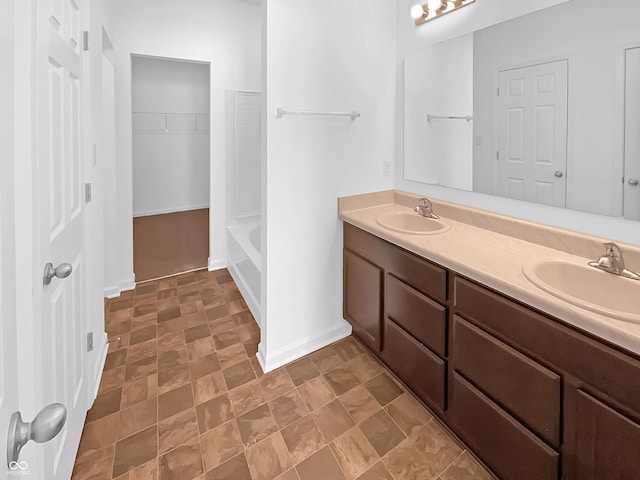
[{"x": 550, "y": 95}]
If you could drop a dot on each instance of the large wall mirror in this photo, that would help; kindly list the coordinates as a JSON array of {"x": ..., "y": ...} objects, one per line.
[{"x": 543, "y": 108}]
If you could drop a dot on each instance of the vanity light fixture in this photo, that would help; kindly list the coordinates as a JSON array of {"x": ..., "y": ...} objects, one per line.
[{"x": 436, "y": 8}]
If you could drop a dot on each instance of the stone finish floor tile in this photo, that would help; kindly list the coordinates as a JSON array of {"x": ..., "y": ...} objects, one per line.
[
  {"x": 316, "y": 393},
  {"x": 135, "y": 450},
  {"x": 96, "y": 465},
  {"x": 466, "y": 468},
  {"x": 320, "y": 465},
  {"x": 383, "y": 389},
  {"x": 302, "y": 370},
  {"x": 138, "y": 417},
  {"x": 341, "y": 380},
  {"x": 177, "y": 430},
  {"x": 406, "y": 463},
  {"x": 220, "y": 444},
  {"x": 408, "y": 414},
  {"x": 234, "y": 469},
  {"x": 269, "y": 458},
  {"x": 377, "y": 472},
  {"x": 333, "y": 420},
  {"x": 436, "y": 445},
  {"x": 256, "y": 425},
  {"x": 303, "y": 438},
  {"x": 382, "y": 432},
  {"x": 214, "y": 412},
  {"x": 246, "y": 397},
  {"x": 354, "y": 453},
  {"x": 359, "y": 403},
  {"x": 276, "y": 383},
  {"x": 208, "y": 387},
  {"x": 182, "y": 463},
  {"x": 183, "y": 397},
  {"x": 288, "y": 408}
]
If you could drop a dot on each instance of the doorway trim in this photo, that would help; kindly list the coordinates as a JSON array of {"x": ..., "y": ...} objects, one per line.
[{"x": 124, "y": 175}]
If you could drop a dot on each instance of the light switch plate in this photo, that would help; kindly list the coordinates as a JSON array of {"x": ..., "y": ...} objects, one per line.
[{"x": 387, "y": 168}]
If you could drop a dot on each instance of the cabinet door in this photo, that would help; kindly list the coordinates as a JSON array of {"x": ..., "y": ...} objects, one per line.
[
  {"x": 363, "y": 298},
  {"x": 607, "y": 444}
]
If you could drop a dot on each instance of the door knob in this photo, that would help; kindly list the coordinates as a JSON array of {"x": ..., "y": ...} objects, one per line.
[
  {"x": 61, "y": 271},
  {"x": 46, "y": 425},
  {"x": 633, "y": 182},
  {"x": 558, "y": 173}
]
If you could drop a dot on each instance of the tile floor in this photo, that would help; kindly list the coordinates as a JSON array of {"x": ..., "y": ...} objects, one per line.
[{"x": 183, "y": 398}]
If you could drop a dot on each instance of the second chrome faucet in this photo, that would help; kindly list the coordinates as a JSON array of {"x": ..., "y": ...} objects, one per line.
[
  {"x": 425, "y": 208},
  {"x": 613, "y": 262}
]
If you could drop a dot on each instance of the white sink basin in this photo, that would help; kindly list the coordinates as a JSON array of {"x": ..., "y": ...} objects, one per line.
[
  {"x": 587, "y": 287},
  {"x": 410, "y": 222}
]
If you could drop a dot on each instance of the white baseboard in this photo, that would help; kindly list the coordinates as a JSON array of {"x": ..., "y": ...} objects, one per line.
[
  {"x": 115, "y": 290},
  {"x": 162, "y": 211},
  {"x": 217, "y": 264},
  {"x": 112, "y": 291},
  {"x": 247, "y": 295},
  {"x": 271, "y": 360},
  {"x": 102, "y": 358}
]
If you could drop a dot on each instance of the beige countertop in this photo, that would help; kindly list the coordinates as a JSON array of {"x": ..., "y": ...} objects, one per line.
[{"x": 491, "y": 249}]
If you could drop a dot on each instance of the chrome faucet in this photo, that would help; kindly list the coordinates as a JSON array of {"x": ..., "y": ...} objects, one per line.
[
  {"x": 426, "y": 209},
  {"x": 613, "y": 262}
]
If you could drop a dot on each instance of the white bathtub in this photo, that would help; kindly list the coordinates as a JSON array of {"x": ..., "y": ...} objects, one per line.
[{"x": 243, "y": 242}]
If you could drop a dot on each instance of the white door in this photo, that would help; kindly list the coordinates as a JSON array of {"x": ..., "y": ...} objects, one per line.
[
  {"x": 61, "y": 356},
  {"x": 8, "y": 338},
  {"x": 632, "y": 135},
  {"x": 532, "y": 137},
  {"x": 41, "y": 214}
]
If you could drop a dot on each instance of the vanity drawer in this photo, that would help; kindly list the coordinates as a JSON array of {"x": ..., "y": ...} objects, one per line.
[
  {"x": 422, "y": 371},
  {"x": 525, "y": 388},
  {"x": 560, "y": 347},
  {"x": 366, "y": 245},
  {"x": 422, "y": 275},
  {"x": 419, "y": 315},
  {"x": 508, "y": 448}
]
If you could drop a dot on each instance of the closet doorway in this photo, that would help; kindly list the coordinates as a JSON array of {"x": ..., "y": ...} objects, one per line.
[{"x": 171, "y": 162}]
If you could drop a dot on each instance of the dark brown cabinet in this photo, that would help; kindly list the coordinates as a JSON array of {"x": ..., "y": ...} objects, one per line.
[
  {"x": 606, "y": 442},
  {"x": 403, "y": 319},
  {"x": 420, "y": 369},
  {"x": 504, "y": 444},
  {"x": 363, "y": 298},
  {"x": 525, "y": 389},
  {"x": 532, "y": 397}
]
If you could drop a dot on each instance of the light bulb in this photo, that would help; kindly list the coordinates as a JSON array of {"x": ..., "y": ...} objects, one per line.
[
  {"x": 434, "y": 5},
  {"x": 417, "y": 11}
]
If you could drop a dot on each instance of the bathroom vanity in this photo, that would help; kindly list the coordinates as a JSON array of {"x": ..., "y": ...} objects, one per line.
[{"x": 532, "y": 395}]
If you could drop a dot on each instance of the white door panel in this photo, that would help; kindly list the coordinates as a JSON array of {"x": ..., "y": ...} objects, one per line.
[
  {"x": 532, "y": 138},
  {"x": 8, "y": 337},
  {"x": 60, "y": 353},
  {"x": 8, "y": 321},
  {"x": 632, "y": 135}
]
